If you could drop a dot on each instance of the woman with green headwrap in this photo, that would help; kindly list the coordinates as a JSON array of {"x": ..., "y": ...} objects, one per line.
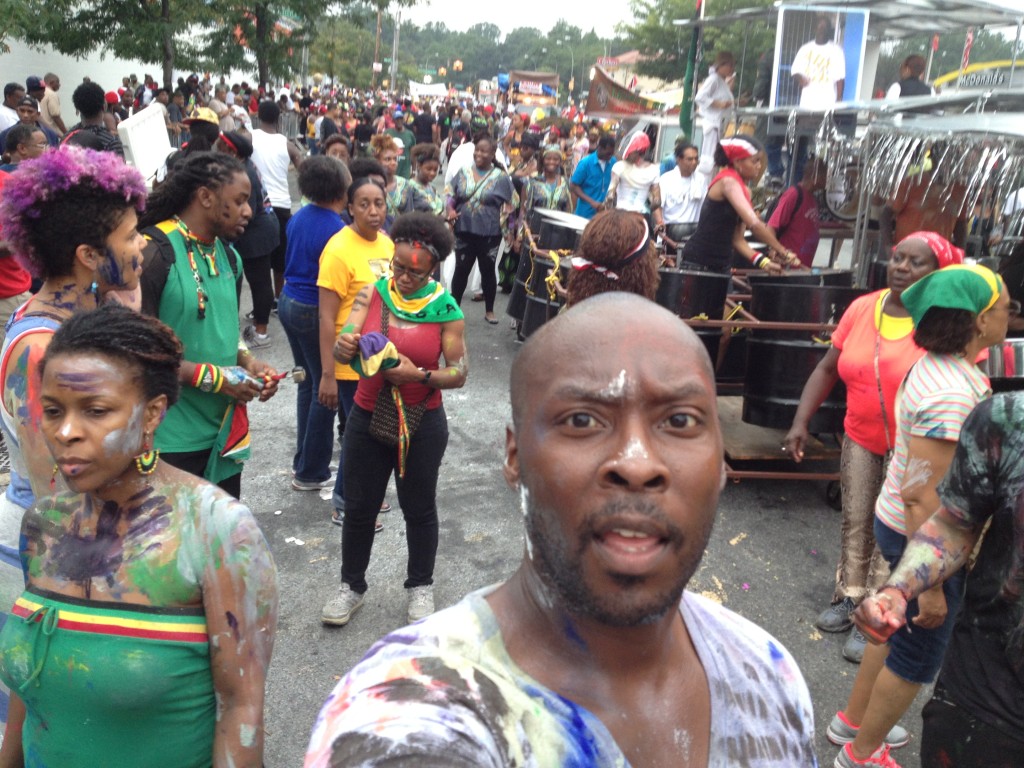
[
  {"x": 548, "y": 189},
  {"x": 957, "y": 312}
]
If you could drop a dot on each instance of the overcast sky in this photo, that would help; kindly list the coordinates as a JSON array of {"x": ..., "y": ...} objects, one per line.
[{"x": 542, "y": 14}]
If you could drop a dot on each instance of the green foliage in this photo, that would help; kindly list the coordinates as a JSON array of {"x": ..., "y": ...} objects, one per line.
[
  {"x": 987, "y": 46},
  {"x": 149, "y": 32},
  {"x": 666, "y": 46},
  {"x": 339, "y": 44}
]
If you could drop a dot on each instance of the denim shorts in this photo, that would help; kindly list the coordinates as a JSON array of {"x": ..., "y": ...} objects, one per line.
[{"x": 915, "y": 653}]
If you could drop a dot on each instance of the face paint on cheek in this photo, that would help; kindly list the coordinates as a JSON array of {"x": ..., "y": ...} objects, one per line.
[
  {"x": 110, "y": 268},
  {"x": 524, "y": 506},
  {"x": 128, "y": 439}
]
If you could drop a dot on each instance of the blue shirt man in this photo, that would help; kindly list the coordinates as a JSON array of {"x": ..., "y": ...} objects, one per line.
[{"x": 591, "y": 178}]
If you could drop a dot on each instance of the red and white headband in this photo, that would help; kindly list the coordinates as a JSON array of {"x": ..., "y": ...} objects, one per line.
[{"x": 738, "y": 149}]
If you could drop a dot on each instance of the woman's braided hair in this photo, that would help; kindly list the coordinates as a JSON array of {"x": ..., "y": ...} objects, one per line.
[
  {"x": 201, "y": 169},
  {"x": 119, "y": 333}
]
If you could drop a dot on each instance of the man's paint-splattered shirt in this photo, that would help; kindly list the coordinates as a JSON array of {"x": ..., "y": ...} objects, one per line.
[{"x": 445, "y": 692}]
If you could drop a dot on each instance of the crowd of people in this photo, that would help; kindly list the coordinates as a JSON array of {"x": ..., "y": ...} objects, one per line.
[{"x": 126, "y": 375}]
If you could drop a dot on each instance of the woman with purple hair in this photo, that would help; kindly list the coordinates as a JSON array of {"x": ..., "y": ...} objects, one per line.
[{"x": 69, "y": 217}]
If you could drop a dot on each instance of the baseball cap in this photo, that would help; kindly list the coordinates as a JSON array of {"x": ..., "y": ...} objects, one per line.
[
  {"x": 28, "y": 101},
  {"x": 202, "y": 115},
  {"x": 34, "y": 83},
  {"x": 111, "y": 97}
]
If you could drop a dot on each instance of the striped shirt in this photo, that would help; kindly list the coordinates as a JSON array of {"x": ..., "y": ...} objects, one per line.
[{"x": 934, "y": 401}]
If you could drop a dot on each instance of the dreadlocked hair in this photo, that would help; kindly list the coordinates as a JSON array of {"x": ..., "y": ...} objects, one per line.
[
  {"x": 426, "y": 228},
  {"x": 201, "y": 169},
  {"x": 610, "y": 237},
  {"x": 64, "y": 199},
  {"x": 118, "y": 333}
]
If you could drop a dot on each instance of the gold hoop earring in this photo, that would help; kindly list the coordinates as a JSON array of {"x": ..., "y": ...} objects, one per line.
[{"x": 146, "y": 462}]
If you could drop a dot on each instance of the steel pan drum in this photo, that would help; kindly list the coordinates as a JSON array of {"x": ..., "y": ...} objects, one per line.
[
  {"x": 839, "y": 277},
  {"x": 690, "y": 294},
  {"x": 1005, "y": 366},
  {"x": 779, "y": 362},
  {"x": 540, "y": 307}
]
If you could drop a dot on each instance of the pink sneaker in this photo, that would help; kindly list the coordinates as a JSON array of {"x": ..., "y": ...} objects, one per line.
[{"x": 880, "y": 758}]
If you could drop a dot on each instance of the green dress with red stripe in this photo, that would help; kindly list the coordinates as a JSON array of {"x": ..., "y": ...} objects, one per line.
[{"x": 137, "y": 679}]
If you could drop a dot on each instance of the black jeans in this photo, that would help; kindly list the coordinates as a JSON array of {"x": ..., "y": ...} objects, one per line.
[
  {"x": 368, "y": 465},
  {"x": 261, "y": 285},
  {"x": 284, "y": 215},
  {"x": 194, "y": 462},
  {"x": 482, "y": 250}
]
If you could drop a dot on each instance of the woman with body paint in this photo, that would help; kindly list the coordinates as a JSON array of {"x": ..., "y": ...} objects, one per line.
[
  {"x": 146, "y": 625},
  {"x": 727, "y": 213},
  {"x": 70, "y": 218},
  {"x": 957, "y": 312},
  {"x": 395, "y": 334},
  {"x": 872, "y": 350}
]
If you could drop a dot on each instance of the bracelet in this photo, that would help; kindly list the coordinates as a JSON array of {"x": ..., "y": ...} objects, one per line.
[
  {"x": 208, "y": 377},
  {"x": 761, "y": 261}
]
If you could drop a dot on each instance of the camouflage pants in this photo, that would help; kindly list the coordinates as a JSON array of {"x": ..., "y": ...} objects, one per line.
[{"x": 861, "y": 569}]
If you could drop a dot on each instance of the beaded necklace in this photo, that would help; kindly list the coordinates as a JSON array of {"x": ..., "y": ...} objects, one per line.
[{"x": 208, "y": 251}]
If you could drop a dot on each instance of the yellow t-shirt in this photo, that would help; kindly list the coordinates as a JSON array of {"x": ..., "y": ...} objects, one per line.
[{"x": 347, "y": 263}]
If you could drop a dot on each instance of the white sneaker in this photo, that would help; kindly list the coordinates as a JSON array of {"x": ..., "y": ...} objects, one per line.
[
  {"x": 339, "y": 609},
  {"x": 421, "y": 602},
  {"x": 254, "y": 340}
]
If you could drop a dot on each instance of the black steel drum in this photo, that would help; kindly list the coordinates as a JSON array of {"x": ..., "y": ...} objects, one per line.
[
  {"x": 540, "y": 307},
  {"x": 517, "y": 298},
  {"x": 779, "y": 362},
  {"x": 556, "y": 231},
  {"x": 690, "y": 294},
  {"x": 1005, "y": 366},
  {"x": 837, "y": 277}
]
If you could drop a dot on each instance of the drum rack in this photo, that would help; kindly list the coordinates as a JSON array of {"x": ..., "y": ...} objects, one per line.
[{"x": 753, "y": 452}]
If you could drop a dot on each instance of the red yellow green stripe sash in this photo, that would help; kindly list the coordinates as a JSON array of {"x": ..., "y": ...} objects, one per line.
[{"x": 122, "y": 623}]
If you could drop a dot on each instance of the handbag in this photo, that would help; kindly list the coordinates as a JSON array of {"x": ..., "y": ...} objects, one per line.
[{"x": 389, "y": 411}]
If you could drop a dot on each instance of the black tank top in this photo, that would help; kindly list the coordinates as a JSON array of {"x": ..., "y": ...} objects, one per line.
[{"x": 711, "y": 245}]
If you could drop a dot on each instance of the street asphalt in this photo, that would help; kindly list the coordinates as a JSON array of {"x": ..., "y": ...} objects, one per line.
[{"x": 771, "y": 558}]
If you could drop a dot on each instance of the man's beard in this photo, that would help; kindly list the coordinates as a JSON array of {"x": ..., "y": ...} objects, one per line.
[{"x": 559, "y": 563}]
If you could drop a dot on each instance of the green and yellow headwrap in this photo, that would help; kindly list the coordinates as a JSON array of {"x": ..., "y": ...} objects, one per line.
[
  {"x": 553, "y": 149},
  {"x": 961, "y": 286}
]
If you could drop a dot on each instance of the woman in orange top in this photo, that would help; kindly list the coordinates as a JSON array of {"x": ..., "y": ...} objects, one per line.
[{"x": 872, "y": 350}]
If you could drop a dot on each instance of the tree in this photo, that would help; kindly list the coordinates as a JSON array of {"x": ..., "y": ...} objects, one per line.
[
  {"x": 665, "y": 46},
  {"x": 987, "y": 46},
  {"x": 159, "y": 32},
  {"x": 269, "y": 32}
]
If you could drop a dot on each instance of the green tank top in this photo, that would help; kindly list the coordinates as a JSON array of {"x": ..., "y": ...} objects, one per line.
[
  {"x": 138, "y": 680},
  {"x": 193, "y": 423}
]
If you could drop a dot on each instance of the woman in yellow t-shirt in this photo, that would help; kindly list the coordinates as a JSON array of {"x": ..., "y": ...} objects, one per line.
[{"x": 360, "y": 254}]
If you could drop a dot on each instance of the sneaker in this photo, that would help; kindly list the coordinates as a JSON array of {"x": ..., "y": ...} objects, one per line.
[
  {"x": 880, "y": 758},
  {"x": 853, "y": 649},
  {"x": 254, "y": 340},
  {"x": 838, "y": 617},
  {"x": 339, "y": 609},
  {"x": 312, "y": 485},
  {"x": 421, "y": 602},
  {"x": 840, "y": 731}
]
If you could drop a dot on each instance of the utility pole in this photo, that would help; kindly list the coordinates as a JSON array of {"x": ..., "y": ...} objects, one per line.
[{"x": 376, "y": 51}]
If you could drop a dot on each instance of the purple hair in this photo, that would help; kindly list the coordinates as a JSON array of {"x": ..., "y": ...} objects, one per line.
[{"x": 56, "y": 178}]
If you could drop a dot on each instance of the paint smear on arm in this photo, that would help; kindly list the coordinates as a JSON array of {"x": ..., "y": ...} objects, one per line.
[{"x": 917, "y": 473}]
